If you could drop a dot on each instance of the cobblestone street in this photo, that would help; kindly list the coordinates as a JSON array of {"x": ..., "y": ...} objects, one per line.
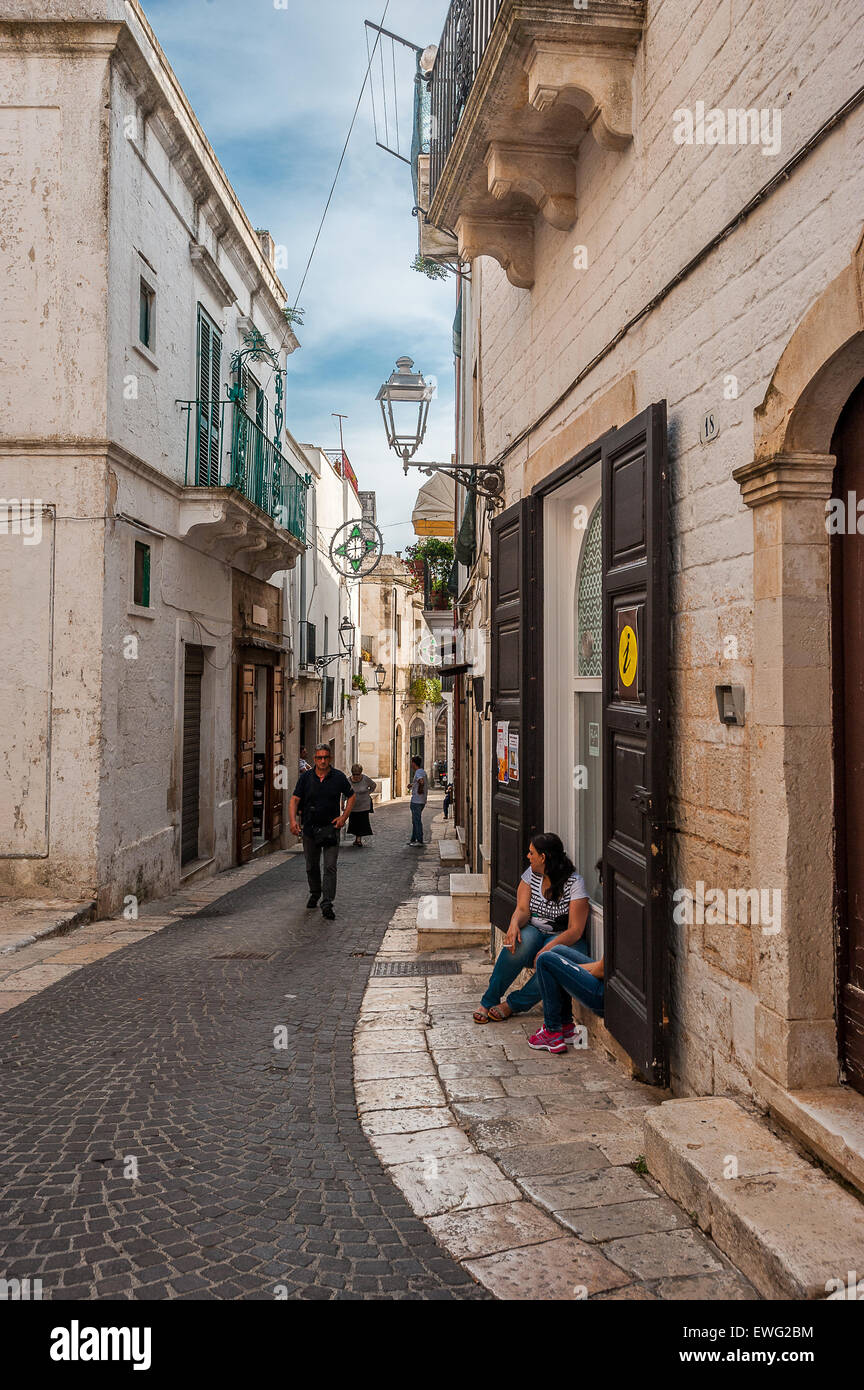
[{"x": 254, "y": 1178}]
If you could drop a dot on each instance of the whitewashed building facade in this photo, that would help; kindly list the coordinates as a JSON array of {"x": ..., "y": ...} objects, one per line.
[{"x": 142, "y": 683}]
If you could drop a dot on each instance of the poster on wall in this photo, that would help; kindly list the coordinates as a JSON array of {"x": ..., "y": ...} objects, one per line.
[
  {"x": 502, "y": 750},
  {"x": 513, "y": 757}
]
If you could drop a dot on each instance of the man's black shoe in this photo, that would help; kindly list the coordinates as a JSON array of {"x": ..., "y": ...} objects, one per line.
[
  {"x": 313, "y": 900},
  {"x": 328, "y": 913}
]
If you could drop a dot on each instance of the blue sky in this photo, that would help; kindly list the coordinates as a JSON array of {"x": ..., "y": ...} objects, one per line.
[{"x": 274, "y": 89}]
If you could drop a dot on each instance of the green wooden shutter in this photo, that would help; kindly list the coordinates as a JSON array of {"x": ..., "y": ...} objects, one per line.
[{"x": 209, "y": 390}]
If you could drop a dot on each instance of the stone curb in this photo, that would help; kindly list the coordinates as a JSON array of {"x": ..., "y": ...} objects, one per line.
[{"x": 62, "y": 927}]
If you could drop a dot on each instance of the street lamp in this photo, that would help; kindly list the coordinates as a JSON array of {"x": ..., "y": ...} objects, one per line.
[
  {"x": 404, "y": 399},
  {"x": 407, "y": 393},
  {"x": 346, "y": 634},
  {"x": 380, "y": 676},
  {"x": 346, "y": 639}
]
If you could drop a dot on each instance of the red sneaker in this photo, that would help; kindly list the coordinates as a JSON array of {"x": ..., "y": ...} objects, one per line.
[
  {"x": 545, "y": 1041},
  {"x": 569, "y": 1030}
]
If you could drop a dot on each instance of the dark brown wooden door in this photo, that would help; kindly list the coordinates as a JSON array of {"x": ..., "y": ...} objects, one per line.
[
  {"x": 848, "y": 609},
  {"x": 277, "y": 722},
  {"x": 245, "y": 760},
  {"x": 635, "y": 644},
  {"x": 190, "y": 814},
  {"x": 516, "y": 683}
]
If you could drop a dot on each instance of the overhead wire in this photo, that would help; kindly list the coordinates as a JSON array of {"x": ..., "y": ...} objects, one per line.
[{"x": 341, "y": 160}]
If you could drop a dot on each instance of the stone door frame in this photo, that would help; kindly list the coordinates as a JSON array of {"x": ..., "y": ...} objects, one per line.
[{"x": 792, "y": 779}]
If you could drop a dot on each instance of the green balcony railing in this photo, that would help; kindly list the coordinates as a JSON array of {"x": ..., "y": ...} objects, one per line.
[{"x": 244, "y": 459}]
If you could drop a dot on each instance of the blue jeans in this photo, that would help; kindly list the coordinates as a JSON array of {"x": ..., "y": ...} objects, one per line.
[
  {"x": 416, "y": 824},
  {"x": 507, "y": 967},
  {"x": 560, "y": 977}
]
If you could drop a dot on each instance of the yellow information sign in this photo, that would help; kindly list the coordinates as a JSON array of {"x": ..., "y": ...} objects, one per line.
[{"x": 628, "y": 656}]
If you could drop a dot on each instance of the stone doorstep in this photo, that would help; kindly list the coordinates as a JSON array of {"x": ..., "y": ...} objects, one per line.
[
  {"x": 469, "y": 894},
  {"x": 828, "y": 1121},
  {"x": 76, "y": 915},
  {"x": 437, "y": 930},
  {"x": 451, "y": 852},
  {"x": 788, "y": 1227}
]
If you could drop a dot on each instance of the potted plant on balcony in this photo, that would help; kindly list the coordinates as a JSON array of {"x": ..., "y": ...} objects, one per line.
[
  {"x": 433, "y": 554},
  {"x": 358, "y": 683}
]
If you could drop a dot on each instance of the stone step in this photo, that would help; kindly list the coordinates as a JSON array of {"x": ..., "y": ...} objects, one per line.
[
  {"x": 436, "y": 929},
  {"x": 460, "y": 834},
  {"x": 470, "y": 898},
  {"x": 451, "y": 852},
  {"x": 791, "y": 1230}
]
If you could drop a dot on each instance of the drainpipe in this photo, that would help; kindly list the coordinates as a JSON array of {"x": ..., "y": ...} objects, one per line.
[{"x": 393, "y": 729}]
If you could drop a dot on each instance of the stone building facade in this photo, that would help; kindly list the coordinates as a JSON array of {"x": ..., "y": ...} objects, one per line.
[
  {"x": 394, "y": 723},
  {"x": 661, "y": 206}
]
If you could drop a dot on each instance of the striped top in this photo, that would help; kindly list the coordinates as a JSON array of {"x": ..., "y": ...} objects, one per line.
[{"x": 548, "y": 916}]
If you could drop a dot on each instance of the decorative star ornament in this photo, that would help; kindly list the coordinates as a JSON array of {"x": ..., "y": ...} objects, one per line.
[{"x": 356, "y": 549}]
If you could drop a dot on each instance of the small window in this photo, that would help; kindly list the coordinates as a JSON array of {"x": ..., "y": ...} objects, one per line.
[
  {"x": 146, "y": 302},
  {"x": 141, "y": 588}
]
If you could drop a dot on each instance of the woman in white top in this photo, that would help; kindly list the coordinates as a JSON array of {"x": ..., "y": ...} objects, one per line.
[
  {"x": 358, "y": 821},
  {"x": 551, "y": 910}
]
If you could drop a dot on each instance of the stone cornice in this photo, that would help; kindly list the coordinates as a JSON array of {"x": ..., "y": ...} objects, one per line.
[
  {"x": 51, "y": 38},
  {"x": 786, "y": 476},
  {"x": 200, "y": 256},
  {"x": 550, "y": 74},
  {"x": 190, "y": 150}
]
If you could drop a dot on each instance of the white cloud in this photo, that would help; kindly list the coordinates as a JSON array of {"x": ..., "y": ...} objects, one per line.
[{"x": 275, "y": 90}]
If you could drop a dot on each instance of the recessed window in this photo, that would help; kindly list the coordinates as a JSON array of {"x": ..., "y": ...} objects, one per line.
[
  {"x": 146, "y": 315},
  {"x": 141, "y": 585}
]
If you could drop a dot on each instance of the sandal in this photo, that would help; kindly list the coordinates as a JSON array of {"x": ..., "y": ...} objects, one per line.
[
  {"x": 481, "y": 1015},
  {"x": 496, "y": 1016}
]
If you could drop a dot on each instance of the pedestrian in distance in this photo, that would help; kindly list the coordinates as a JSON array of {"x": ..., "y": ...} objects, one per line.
[
  {"x": 551, "y": 912},
  {"x": 304, "y": 765},
  {"x": 419, "y": 795},
  {"x": 316, "y": 813},
  {"x": 448, "y": 800},
  {"x": 358, "y": 821}
]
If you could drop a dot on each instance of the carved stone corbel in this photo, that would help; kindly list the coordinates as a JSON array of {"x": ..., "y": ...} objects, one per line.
[
  {"x": 509, "y": 241},
  {"x": 597, "y": 81},
  {"x": 545, "y": 175}
]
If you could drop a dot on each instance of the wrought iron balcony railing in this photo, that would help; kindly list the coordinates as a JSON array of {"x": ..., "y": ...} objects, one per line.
[
  {"x": 466, "y": 33},
  {"x": 252, "y": 464}
]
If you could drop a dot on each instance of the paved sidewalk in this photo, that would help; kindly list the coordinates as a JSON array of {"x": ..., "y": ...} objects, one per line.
[
  {"x": 526, "y": 1167},
  {"x": 26, "y": 920},
  {"x": 29, "y": 964}
]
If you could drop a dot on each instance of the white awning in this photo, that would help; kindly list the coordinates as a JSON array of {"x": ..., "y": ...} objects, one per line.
[{"x": 435, "y": 506}]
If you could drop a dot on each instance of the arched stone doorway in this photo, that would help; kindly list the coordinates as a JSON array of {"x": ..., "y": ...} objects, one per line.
[
  {"x": 418, "y": 740},
  {"x": 792, "y": 801},
  {"x": 847, "y": 605}
]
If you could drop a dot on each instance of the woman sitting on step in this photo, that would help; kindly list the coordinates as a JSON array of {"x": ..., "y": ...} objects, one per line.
[{"x": 551, "y": 910}]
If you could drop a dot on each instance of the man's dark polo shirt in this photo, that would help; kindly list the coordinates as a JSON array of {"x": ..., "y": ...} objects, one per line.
[{"x": 321, "y": 800}]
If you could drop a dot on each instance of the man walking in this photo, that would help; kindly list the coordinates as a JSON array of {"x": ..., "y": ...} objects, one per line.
[
  {"x": 419, "y": 793},
  {"x": 318, "y": 801}
]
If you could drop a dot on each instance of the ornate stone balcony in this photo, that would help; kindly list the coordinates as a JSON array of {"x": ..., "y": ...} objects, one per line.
[{"x": 517, "y": 86}]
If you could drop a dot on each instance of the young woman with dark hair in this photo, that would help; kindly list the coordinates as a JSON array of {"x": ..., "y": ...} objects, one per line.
[{"x": 551, "y": 910}]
